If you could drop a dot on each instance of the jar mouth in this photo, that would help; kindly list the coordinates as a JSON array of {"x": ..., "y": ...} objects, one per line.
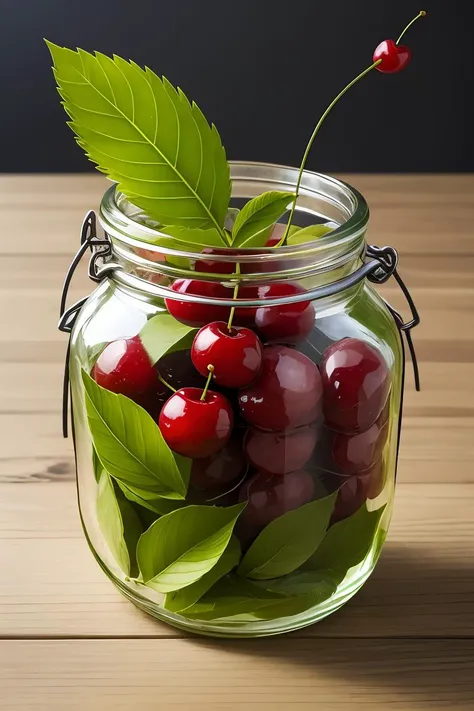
[{"x": 322, "y": 199}]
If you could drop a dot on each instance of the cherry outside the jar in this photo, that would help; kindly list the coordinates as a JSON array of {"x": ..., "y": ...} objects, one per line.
[
  {"x": 286, "y": 395},
  {"x": 394, "y": 57},
  {"x": 357, "y": 452},
  {"x": 280, "y": 452},
  {"x": 194, "y": 427},
  {"x": 124, "y": 367},
  {"x": 195, "y": 314},
  {"x": 356, "y": 382},
  {"x": 220, "y": 470},
  {"x": 269, "y": 497},
  {"x": 235, "y": 353},
  {"x": 286, "y": 323}
]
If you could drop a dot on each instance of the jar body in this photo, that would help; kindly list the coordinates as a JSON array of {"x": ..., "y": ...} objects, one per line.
[{"x": 301, "y": 505}]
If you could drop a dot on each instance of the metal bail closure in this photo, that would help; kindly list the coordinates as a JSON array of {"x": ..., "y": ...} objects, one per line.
[
  {"x": 388, "y": 260},
  {"x": 100, "y": 248}
]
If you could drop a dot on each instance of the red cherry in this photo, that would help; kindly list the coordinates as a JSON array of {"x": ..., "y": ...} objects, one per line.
[
  {"x": 280, "y": 452},
  {"x": 214, "y": 266},
  {"x": 286, "y": 395},
  {"x": 236, "y": 354},
  {"x": 376, "y": 474},
  {"x": 269, "y": 497},
  {"x": 221, "y": 469},
  {"x": 124, "y": 367},
  {"x": 193, "y": 427},
  {"x": 355, "y": 453},
  {"x": 356, "y": 382},
  {"x": 395, "y": 57},
  {"x": 352, "y": 494},
  {"x": 288, "y": 323},
  {"x": 192, "y": 313}
]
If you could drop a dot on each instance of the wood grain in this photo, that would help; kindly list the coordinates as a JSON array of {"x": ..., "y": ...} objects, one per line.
[{"x": 406, "y": 641}]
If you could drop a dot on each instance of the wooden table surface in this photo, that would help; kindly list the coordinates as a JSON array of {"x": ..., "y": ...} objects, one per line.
[{"x": 69, "y": 641}]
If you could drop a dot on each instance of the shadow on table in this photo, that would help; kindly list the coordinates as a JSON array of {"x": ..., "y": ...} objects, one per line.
[{"x": 406, "y": 633}]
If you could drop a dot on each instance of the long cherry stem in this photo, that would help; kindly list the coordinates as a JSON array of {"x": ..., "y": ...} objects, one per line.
[
  {"x": 311, "y": 141},
  {"x": 162, "y": 380},
  {"x": 236, "y": 293},
  {"x": 208, "y": 382},
  {"x": 422, "y": 13}
]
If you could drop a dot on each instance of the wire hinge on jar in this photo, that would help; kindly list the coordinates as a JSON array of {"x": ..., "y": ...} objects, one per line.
[{"x": 98, "y": 269}]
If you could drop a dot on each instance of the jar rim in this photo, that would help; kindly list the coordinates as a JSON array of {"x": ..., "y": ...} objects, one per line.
[{"x": 129, "y": 230}]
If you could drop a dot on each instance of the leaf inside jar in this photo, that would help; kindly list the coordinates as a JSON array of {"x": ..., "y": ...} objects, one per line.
[
  {"x": 181, "y": 547},
  {"x": 162, "y": 334},
  {"x": 288, "y": 541},
  {"x": 119, "y": 523}
]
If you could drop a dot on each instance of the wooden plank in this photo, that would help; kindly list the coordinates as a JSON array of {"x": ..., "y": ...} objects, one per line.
[
  {"x": 417, "y": 214},
  {"x": 50, "y": 585},
  {"x": 258, "y": 675}
]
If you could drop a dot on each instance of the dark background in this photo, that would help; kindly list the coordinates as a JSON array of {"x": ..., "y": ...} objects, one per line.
[{"x": 263, "y": 71}]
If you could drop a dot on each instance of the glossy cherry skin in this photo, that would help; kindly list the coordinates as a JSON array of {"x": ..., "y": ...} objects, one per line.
[
  {"x": 286, "y": 395},
  {"x": 356, "y": 382},
  {"x": 352, "y": 494},
  {"x": 395, "y": 57},
  {"x": 220, "y": 470},
  {"x": 357, "y": 452},
  {"x": 214, "y": 266},
  {"x": 236, "y": 355},
  {"x": 269, "y": 497},
  {"x": 280, "y": 452},
  {"x": 194, "y": 314},
  {"x": 288, "y": 323},
  {"x": 193, "y": 427},
  {"x": 124, "y": 367}
]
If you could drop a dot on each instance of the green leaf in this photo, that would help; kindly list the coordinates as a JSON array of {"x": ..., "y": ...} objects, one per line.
[
  {"x": 129, "y": 443},
  {"x": 184, "y": 598},
  {"x": 163, "y": 334},
  {"x": 254, "y": 219},
  {"x": 181, "y": 547},
  {"x": 119, "y": 524},
  {"x": 304, "y": 582},
  {"x": 149, "y": 500},
  {"x": 288, "y": 541},
  {"x": 232, "y": 596},
  {"x": 307, "y": 234},
  {"x": 145, "y": 134},
  {"x": 347, "y": 542},
  {"x": 231, "y": 217}
]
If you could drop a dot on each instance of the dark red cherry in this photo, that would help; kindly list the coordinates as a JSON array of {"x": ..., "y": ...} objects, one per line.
[
  {"x": 269, "y": 497},
  {"x": 352, "y": 494},
  {"x": 357, "y": 452},
  {"x": 215, "y": 266},
  {"x": 193, "y": 313},
  {"x": 193, "y": 427},
  {"x": 286, "y": 395},
  {"x": 124, "y": 367},
  {"x": 287, "y": 323},
  {"x": 236, "y": 354},
  {"x": 280, "y": 452},
  {"x": 220, "y": 470},
  {"x": 356, "y": 382},
  {"x": 376, "y": 474},
  {"x": 395, "y": 57}
]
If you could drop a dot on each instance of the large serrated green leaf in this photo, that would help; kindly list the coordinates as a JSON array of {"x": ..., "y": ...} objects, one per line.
[
  {"x": 119, "y": 524},
  {"x": 184, "y": 598},
  {"x": 181, "y": 547},
  {"x": 288, "y": 541},
  {"x": 129, "y": 443},
  {"x": 257, "y": 216},
  {"x": 145, "y": 134}
]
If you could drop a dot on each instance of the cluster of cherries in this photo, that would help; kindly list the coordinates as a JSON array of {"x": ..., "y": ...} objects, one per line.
[{"x": 271, "y": 409}]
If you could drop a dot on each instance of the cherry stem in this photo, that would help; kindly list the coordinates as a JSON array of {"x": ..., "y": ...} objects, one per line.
[
  {"x": 422, "y": 13},
  {"x": 162, "y": 380},
  {"x": 208, "y": 382},
  {"x": 236, "y": 293},
  {"x": 311, "y": 141}
]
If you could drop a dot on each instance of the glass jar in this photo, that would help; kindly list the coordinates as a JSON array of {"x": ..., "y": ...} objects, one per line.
[{"x": 285, "y": 522}]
